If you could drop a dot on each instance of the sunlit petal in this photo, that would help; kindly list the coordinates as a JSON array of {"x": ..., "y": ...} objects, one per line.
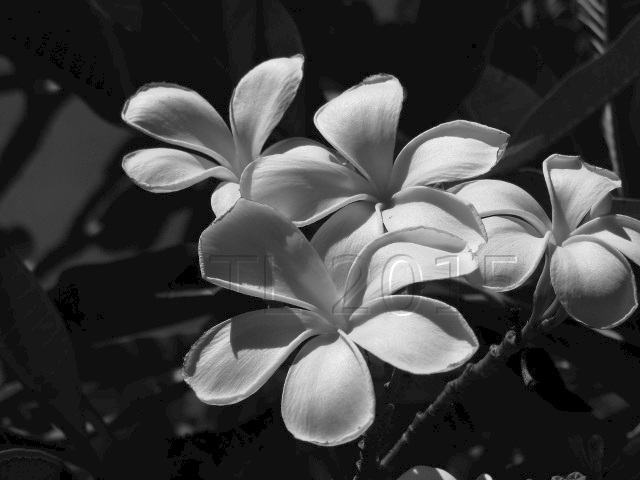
[
  {"x": 235, "y": 358},
  {"x": 168, "y": 170},
  {"x": 259, "y": 102},
  {"x": 422, "y": 472},
  {"x": 328, "y": 396},
  {"x": 574, "y": 187},
  {"x": 495, "y": 197},
  {"x": 429, "y": 207},
  {"x": 619, "y": 231},
  {"x": 511, "y": 255},
  {"x": 450, "y": 152},
  {"x": 404, "y": 257},
  {"x": 224, "y": 197},
  {"x": 300, "y": 147},
  {"x": 180, "y": 116},
  {"x": 593, "y": 281},
  {"x": 415, "y": 334},
  {"x": 255, "y": 250},
  {"x": 339, "y": 240},
  {"x": 361, "y": 124},
  {"x": 303, "y": 189}
]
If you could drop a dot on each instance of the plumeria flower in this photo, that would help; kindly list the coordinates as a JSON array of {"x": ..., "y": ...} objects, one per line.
[
  {"x": 181, "y": 117},
  {"x": 584, "y": 243},
  {"x": 422, "y": 472},
  {"x": 369, "y": 190},
  {"x": 328, "y": 396}
]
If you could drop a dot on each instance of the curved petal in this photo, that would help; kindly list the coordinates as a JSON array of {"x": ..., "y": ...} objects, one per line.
[
  {"x": 259, "y": 102},
  {"x": 593, "y": 282},
  {"x": 224, "y": 197},
  {"x": 235, "y": 358},
  {"x": 303, "y": 189},
  {"x": 299, "y": 147},
  {"x": 450, "y": 152},
  {"x": 404, "y": 257},
  {"x": 416, "y": 334},
  {"x": 429, "y": 207},
  {"x": 574, "y": 187},
  {"x": 255, "y": 250},
  {"x": 328, "y": 396},
  {"x": 361, "y": 124},
  {"x": 180, "y": 116},
  {"x": 339, "y": 240},
  {"x": 619, "y": 231},
  {"x": 422, "y": 472},
  {"x": 511, "y": 255},
  {"x": 495, "y": 197},
  {"x": 163, "y": 170}
]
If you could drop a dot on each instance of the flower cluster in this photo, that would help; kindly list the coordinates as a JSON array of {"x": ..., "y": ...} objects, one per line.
[{"x": 390, "y": 225}]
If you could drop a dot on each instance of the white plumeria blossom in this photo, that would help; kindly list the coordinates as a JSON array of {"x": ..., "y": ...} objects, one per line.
[
  {"x": 586, "y": 246},
  {"x": 369, "y": 191},
  {"x": 181, "y": 117},
  {"x": 328, "y": 396}
]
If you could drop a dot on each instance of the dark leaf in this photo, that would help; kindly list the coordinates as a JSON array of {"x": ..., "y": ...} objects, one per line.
[
  {"x": 574, "y": 98},
  {"x": 32, "y": 464},
  {"x": 541, "y": 376},
  {"x": 34, "y": 342}
]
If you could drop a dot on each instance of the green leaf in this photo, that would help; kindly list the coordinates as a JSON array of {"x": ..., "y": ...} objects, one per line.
[{"x": 574, "y": 98}]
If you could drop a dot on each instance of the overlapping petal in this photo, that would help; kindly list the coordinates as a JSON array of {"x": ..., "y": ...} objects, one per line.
[
  {"x": 429, "y": 207},
  {"x": 450, "y": 152},
  {"x": 303, "y": 190},
  {"x": 235, "y": 358},
  {"x": 328, "y": 396},
  {"x": 574, "y": 187},
  {"x": 511, "y": 255},
  {"x": 180, "y": 116},
  {"x": 224, "y": 197},
  {"x": 259, "y": 101},
  {"x": 619, "y": 231},
  {"x": 422, "y": 472},
  {"x": 339, "y": 240},
  {"x": 404, "y": 257},
  {"x": 495, "y": 197},
  {"x": 168, "y": 170},
  {"x": 416, "y": 334},
  {"x": 255, "y": 250},
  {"x": 593, "y": 282},
  {"x": 300, "y": 147},
  {"x": 361, "y": 124}
]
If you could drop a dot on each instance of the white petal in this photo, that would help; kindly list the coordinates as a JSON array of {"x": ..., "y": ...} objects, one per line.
[
  {"x": 255, "y": 250},
  {"x": 422, "y": 472},
  {"x": 180, "y": 116},
  {"x": 303, "y": 189},
  {"x": 224, "y": 197},
  {"x": 339, "y": 240},
  {"x": 495, "y": 197},
  {"x": 404, "y": 257},
  {"x": 259, "y": 102},
  {"x": 415, "y": 334},
  {"x": 512, "y": 253},
  {"x": 163, "y": 170},
  {"x": 593, "y": 282},
  {"x": 429, "y": 207},
  {"x": 234, "y": 359},
  {"x": 300, "y": 147},
  {"x": 619, "y": 231},
  {"x": 450, "y": 152},
  {"x": 574, "y": 187},
  {"x": 361, "y": 124},
  {"x": 328, "y": 396}
]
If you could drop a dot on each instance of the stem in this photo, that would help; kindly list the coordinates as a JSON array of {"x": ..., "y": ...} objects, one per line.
[{"x": 494, "y": 360}]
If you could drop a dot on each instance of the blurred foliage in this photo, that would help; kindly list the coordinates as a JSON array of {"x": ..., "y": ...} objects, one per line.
[{"x": 98, "y": 356}]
